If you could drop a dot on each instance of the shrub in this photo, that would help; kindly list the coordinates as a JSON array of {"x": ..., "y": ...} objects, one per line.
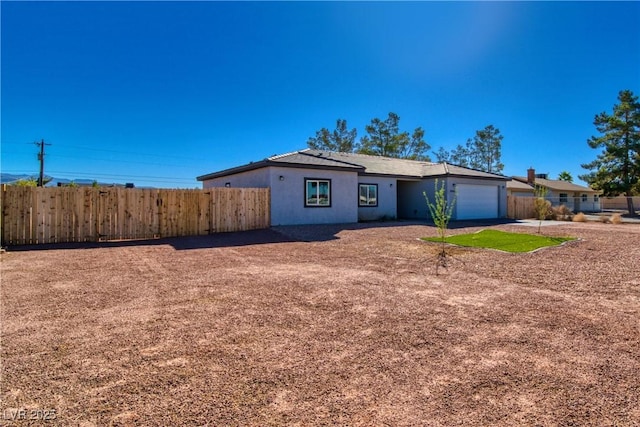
[
  {"x": 604, "y": 219},
  {"x": 542, "y": 208},
  {"x": 616, "y": 218},
  {"x": 561, "y": 213},
  {"x": 29, "y": 182},
  {"x": 579, "y": 217}
]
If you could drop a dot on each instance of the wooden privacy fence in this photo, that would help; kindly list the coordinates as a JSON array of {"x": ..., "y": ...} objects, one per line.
[
  {"x": 86, "y": 214},
  {"x": 520, "y": 207},
  {"x": 619, "y": 202}
]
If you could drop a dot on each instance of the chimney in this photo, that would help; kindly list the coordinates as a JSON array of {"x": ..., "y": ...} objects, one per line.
[{"x": 531, "y": 176}]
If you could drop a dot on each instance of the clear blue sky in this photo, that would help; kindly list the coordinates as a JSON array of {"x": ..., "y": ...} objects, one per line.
[{"x": 129, "y": 90}]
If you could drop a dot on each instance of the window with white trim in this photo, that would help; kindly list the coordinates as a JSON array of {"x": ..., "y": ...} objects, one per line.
[
  {"x": 564, "y": 197},
  {"x": 584, "y": 197},
  {"x": 317, "y": 192},
  {"x": 368, "y": 195}
]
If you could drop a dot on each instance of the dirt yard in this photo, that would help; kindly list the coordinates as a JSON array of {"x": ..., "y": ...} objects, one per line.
[{"x": 311, "y": 326}]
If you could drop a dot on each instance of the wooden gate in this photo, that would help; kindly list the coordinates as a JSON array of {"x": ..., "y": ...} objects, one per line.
[{"x": 520, "y": 207}]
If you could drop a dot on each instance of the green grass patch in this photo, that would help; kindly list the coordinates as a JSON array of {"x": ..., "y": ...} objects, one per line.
[{"x": 502, "y": 240}]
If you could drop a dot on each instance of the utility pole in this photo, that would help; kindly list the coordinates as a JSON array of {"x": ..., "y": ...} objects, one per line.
[{"x": 41, "y": 158}]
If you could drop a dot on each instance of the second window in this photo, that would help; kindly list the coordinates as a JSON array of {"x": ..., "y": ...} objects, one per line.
[{"x": 368, "y": 195}]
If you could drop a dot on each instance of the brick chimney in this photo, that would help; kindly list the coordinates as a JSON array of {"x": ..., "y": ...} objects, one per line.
[{"x": 531, "y": 176}]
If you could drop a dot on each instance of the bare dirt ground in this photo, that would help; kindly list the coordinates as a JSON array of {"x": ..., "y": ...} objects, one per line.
[{"x": 324, "y": 325}]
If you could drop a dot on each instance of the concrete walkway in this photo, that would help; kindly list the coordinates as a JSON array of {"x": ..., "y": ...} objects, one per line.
[
  {"x": 590, "y": 218},
  {"x": 536, "y": 222}
]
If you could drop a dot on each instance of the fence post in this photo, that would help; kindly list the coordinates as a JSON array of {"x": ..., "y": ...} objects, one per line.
[{"x": 2, "y": 196}]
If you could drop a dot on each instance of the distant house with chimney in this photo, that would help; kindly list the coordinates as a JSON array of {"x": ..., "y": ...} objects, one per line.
[{"x": 576, "y": 197}]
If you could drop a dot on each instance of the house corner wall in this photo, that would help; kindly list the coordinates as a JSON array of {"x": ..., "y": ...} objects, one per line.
[{"x": 258, "y": 178}]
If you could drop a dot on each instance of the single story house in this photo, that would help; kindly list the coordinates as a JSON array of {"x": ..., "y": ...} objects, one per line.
[
  {"x": 323, "y": 187},
  {"x": 576, "y": 197}
]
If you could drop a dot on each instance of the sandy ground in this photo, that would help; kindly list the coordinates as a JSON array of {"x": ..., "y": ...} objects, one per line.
[{"x": 324, "y": 325}]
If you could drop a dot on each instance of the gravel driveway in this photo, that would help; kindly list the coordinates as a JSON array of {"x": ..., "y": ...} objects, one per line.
[{"x": 324, "y": 325}]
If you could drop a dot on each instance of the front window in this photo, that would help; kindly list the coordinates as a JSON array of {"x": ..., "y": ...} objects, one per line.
[
  {"x": 564, "y": 198},
  {"x": 584, "y": 197},
  {"x": 368, "y": 195},
  {"x": 317, "y": 192},
  {"x": 595, "y": 198}
]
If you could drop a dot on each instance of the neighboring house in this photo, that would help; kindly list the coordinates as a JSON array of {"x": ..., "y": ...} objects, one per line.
[
  {"x": 322, "y": 187},
  {"x": 576, "y": 197}
]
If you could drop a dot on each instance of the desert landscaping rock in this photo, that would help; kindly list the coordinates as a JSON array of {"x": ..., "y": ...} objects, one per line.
[{"x": 325, "y": 325}]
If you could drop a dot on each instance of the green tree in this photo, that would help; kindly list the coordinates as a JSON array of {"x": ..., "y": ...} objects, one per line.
[
  {"x": 486, "y": 150},
  {"x": 461, "y": 155},
  {"x": 565, "y": 176},
  {"x": 483, "y": 152},
  {"x": 616, "y": 170},
  {"x": 442, "y": 155},
  {"x": 26, "y": 182},
  {"x": 341, "y": 139},
  {"x": 385, "y": 139}
]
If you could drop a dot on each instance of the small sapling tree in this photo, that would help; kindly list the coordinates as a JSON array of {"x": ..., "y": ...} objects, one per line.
[
  {"x": 441, "y": 211},
  {"x": 541, "y": 205}
]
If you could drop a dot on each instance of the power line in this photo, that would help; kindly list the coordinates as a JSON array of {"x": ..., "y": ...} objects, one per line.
[
  {"x": 107, "y": 160},
  {"x": 128, "y": 152},
  {"x": 116, "y": 160},
  {"x": 106, "y": 175},
  {"x": 76, "y": 147},
  {"x": 122, "y": 176}
]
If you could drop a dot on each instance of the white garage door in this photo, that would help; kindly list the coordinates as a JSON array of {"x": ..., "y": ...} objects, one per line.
[{"x": 477, "y": 201}]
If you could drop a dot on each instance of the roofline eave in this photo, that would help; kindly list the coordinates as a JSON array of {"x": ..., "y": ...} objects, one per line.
[{"x": 268, "y": 163}]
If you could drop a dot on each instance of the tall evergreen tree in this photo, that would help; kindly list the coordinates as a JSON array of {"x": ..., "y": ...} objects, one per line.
[
  {"x": 565, "y": 176},
  {"x": 461, "y": 155},
  {"x": 341, "y": 139},
  {"x": 486, "y": 150},
  {"x": 385, "y": 139},
  {"x": 616, "y": 170},
  {"x": 482, "y": 152},
  {"x": 442, "y": 155}
]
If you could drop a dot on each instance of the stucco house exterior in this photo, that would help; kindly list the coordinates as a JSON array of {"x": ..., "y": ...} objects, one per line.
[
  {"x": 576, "y": 197},
  {"x": 322, "y": 187}
]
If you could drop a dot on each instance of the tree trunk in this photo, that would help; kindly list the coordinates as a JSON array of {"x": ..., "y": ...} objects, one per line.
[{"x": 632, "y": 211}]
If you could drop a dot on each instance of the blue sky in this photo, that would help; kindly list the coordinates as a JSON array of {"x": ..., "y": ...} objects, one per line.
[{"x": 157, "y": 93}]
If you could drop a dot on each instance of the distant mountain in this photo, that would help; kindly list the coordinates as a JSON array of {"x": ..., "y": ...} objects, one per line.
[
  {"x": 8, "y": 178},
  {"x": 63, "y": 181}
]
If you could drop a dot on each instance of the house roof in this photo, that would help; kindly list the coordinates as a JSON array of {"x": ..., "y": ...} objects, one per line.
[
  {"x": 361, "y": 163},
  {"x": 294, "y": 159},
  {"x": 557, "y": 185},
  {"x": 516, "y": 185}
]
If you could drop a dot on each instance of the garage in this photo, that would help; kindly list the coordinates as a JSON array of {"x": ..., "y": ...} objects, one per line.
[{"x": 476, "y": 201}]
